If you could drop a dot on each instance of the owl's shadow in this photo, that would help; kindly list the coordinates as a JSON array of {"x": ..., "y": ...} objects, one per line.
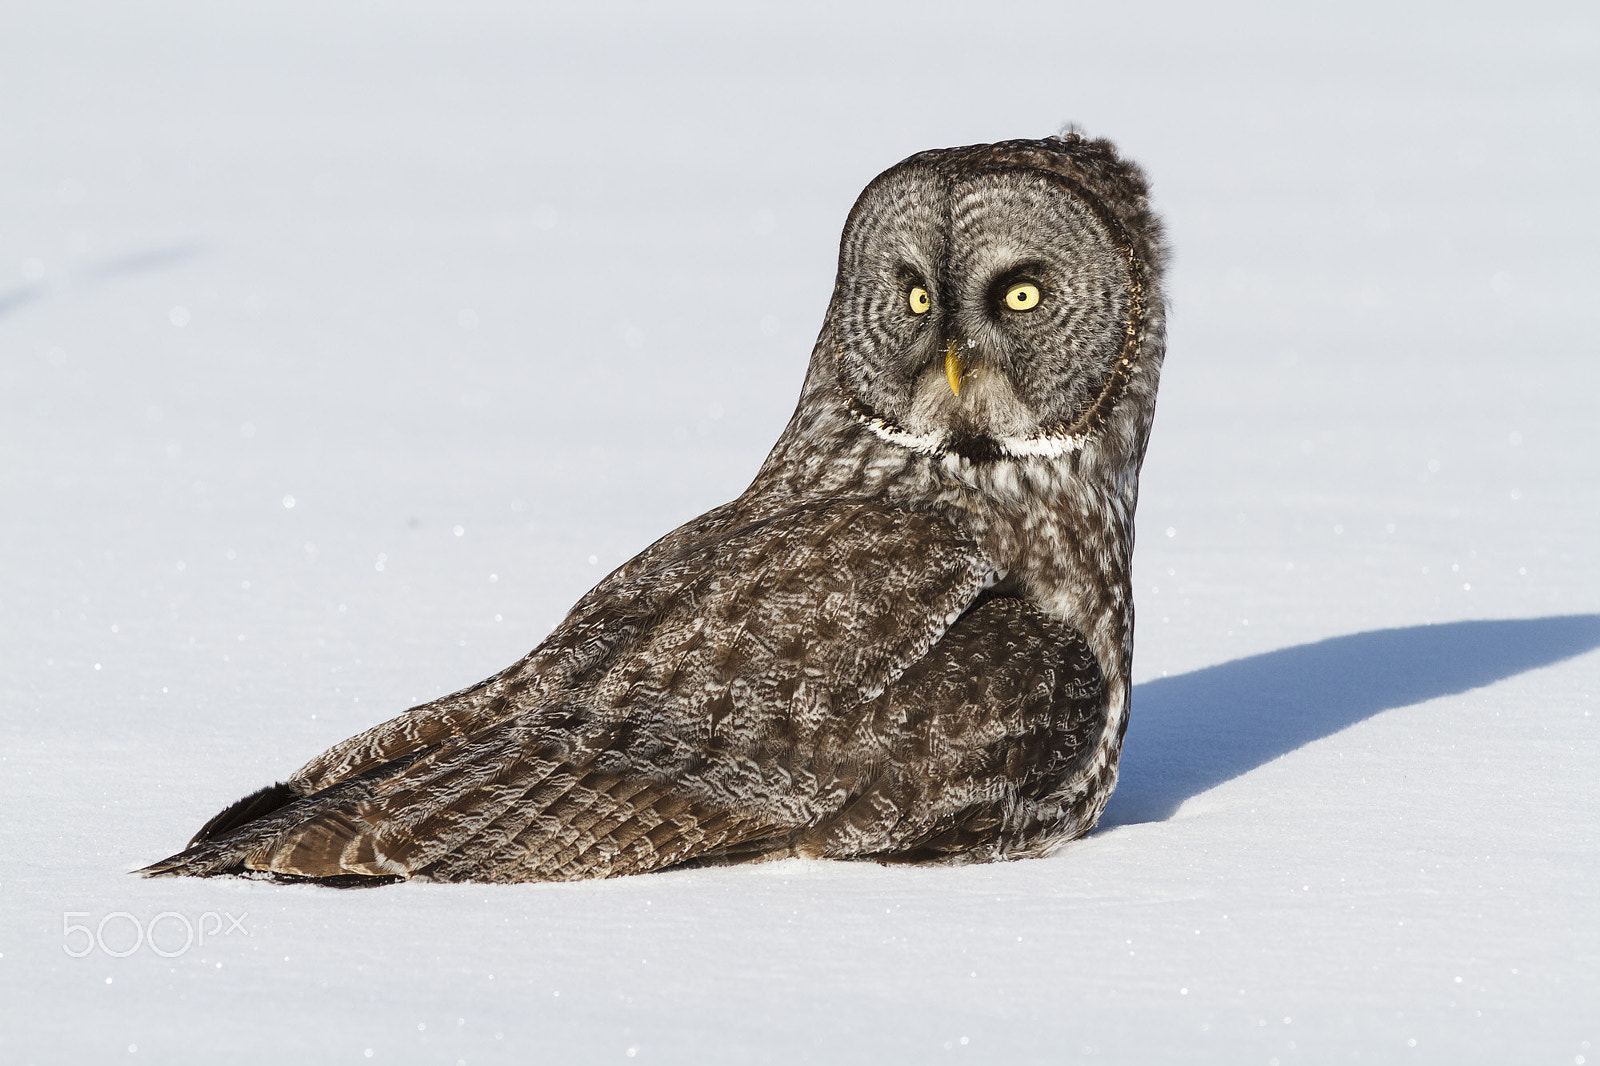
[{"x": 1192, "y": 732}]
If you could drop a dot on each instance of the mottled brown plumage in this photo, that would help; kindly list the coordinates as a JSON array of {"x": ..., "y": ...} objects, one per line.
[{"x": 908, "y": 640}]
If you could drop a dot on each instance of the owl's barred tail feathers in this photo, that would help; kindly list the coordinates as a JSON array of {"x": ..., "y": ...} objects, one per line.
[
  {"x": 259, "y": 826},
  {"x": 504, "y": 806}
]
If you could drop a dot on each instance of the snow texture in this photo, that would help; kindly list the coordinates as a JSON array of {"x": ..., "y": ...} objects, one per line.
[{"x": 343, "y": 346}]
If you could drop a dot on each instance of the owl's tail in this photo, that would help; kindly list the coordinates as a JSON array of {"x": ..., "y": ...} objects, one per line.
[
  {"x": 250, "y": 837},
  {"x": 574, "y": 797}
]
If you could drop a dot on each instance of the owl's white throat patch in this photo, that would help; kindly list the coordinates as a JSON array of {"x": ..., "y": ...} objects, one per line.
[
  {"x": 985, "y": 423},
  {"x": 1044, "y": 445}
]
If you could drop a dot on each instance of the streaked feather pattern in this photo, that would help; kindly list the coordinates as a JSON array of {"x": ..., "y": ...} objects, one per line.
[{"x": 903, "y": 644}]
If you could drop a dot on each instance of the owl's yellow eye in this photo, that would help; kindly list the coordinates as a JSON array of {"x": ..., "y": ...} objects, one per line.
[
  {"x": 919, "y": 300},
  {"x": 1023, "y": 296}
]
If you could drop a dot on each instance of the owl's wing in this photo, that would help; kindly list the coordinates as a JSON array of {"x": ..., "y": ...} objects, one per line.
[
  {"x": 985, "y": 748},
  {"x": 557, "y": 796},
  {"x": 687, "y": 727}
]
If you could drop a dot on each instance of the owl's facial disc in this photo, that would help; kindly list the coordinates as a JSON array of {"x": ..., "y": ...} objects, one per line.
[{"x": 979, "y": 313}]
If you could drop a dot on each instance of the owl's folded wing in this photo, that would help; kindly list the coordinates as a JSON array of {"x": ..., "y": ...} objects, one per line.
[
  {"x": 688, "y": 705},
  {"x": 566, "y": 796},
  {"x": 990, "y": 746}
]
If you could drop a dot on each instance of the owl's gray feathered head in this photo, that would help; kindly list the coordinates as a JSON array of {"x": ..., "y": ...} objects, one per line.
[{"x": 1002, "y": 300}]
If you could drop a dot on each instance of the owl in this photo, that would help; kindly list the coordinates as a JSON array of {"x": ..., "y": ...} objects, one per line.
[{"x": 909, "y": 640}]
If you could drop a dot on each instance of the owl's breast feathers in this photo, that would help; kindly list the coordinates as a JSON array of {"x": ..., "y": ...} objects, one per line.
[{"x": 839, "y": 679}]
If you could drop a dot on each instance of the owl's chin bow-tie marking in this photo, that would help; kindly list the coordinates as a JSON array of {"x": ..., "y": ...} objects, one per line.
[{"x": 954, "y": 368}]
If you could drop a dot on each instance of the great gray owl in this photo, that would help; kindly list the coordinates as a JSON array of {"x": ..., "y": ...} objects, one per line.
[{"x": 910, "y": 638}]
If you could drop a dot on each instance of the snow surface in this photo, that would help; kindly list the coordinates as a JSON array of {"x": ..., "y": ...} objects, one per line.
[{"x": 343, "y": 346}]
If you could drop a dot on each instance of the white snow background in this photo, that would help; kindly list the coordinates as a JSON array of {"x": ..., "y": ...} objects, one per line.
[{"x": 342, "y": 347}]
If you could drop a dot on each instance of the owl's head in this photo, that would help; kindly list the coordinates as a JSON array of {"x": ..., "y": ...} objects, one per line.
[{"x": 999, "y": 300}]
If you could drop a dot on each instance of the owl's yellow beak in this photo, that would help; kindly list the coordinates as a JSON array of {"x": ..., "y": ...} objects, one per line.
[{"x": 954, "y": 369}]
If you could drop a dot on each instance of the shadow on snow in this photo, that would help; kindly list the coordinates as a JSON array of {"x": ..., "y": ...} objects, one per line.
[{"x": 1195, "y": 731}]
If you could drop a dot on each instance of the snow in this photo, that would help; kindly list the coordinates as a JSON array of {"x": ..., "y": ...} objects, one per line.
[{"x": 343, "y": 347}]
